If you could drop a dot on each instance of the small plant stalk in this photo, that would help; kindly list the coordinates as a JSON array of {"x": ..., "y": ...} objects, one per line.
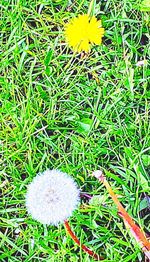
[
  {"x": 77, "y": 241},
  {"x": 91, "y": 8},
  {"x": 135, "y": 230}
]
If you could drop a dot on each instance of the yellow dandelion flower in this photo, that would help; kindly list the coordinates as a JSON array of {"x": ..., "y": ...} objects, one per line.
[{"x": 83, "y": 31}]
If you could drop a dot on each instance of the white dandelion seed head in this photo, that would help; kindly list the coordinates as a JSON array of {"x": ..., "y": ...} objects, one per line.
[{"x": 52, "y": 197}]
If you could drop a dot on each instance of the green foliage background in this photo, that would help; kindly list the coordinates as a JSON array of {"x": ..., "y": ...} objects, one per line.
[{"x": 59, "y": 110}]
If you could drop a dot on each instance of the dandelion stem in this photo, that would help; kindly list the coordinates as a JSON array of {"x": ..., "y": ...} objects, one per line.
[
  {"x": 77, "y": 241},
  {"x": 86, "y": 195},
  {"x": 135, "y": 230}
]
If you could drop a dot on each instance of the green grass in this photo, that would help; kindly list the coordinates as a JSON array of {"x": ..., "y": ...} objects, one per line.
[{"x": 78, "y": 115}]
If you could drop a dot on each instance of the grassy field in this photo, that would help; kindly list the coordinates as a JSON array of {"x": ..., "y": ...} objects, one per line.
[{"x": 77, "y": 114}]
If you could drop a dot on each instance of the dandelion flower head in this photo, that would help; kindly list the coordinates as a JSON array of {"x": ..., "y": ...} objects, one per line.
[
  {"x": 83, "y": 31},
  {"x": 52, "y": 197}
]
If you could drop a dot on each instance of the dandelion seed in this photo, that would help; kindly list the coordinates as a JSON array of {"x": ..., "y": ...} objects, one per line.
[
  {"x": 82, "y": 32},
  {"x": 52, "y": 197}
]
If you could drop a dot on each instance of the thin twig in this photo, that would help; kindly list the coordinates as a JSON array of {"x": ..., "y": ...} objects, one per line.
[
  {"x": 135, "y": 230},
  {"x": 77, "y": 241}
]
